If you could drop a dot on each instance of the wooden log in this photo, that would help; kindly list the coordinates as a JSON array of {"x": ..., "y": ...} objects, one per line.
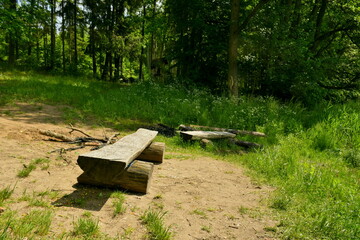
[
  {"x": 205, "y": 142},
  {"x": 153, "y": 153},
  {"x": 183, "y": 127},
  {"x": 136, "y": 178},
  {"x": 234, "y": 131},
  {"x": 245, "y": 143},
  {"x": 197, "y": 135},
  {"x": 105, "y": 164}
]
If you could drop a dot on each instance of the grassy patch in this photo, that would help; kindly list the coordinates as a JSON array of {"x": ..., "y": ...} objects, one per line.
[
  {"x": 155, "y": 225},
  {"x": 25, "y": 172},
  {"x": 118, "y": 203},
  {"x": 34, "y": 224},
  {"x": 199, "y": 213},
  {"x": 5, "y": 194},
  {"x": 86, "y": 227},
  {"x": 206, "y": 229}
]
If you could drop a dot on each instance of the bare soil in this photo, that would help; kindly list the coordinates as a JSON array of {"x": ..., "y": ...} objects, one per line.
[{"x": 203, "y": 198}]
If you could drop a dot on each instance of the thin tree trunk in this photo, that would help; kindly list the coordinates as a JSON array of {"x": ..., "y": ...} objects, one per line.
[
  {"x": 152, "y": 36},
  {"x": 233, "y": 46},
  {"x": 75, "y": 37},
  {"x": 11, "y": 53},
  {"x": 52, "y": 30},
  {"x": 105, "y": 72},
  {"x": 63, "y": 35},
  {"x": 93, "y": 51},
  {"x": 142, "y": 48},
  {"x": 117, "y": 67},
  {"x": 319, "y": 20}
]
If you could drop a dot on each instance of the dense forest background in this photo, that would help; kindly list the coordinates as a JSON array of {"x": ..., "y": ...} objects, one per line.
[{"x": 306, "y": 50}]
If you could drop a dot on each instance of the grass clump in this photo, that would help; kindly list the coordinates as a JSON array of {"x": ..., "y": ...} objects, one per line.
[
  {"x": 25, "y": 172},
  {"x": 5, "y": 194},
  {"x": 118, "y": 203},
  {"x": 154, "y": 221},
  {"x": 86, "y": 227}
]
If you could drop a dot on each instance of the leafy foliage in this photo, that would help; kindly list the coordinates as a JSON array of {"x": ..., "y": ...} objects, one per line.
[{"x": 304, "y": 50}]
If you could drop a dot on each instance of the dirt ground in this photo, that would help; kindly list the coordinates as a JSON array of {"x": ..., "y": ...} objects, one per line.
[{"x": 203, "y": 198}]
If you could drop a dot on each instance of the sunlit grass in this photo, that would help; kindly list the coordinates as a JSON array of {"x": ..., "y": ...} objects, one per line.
[
  {"x": 155, "y": 225},
  {"x": 26, "y": 170},
  {"x": 5, "y": 193},
  {"x": 31, "y": 225},
  {"x": 118, "y": 203}
]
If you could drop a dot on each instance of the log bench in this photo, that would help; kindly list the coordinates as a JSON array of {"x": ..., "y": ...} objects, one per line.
[{"x": 126, "y": 164}]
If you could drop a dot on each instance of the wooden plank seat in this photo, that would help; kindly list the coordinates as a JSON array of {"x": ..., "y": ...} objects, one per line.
[{"x": 120, "y": 165}]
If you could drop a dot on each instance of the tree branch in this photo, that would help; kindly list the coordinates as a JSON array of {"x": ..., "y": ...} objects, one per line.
[{"x": 255, "y": 10}]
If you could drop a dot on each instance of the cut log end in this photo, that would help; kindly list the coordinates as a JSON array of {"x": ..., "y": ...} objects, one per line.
[
  {"x": 205, "y": 143},
  {"x": 153, "y": 153}
]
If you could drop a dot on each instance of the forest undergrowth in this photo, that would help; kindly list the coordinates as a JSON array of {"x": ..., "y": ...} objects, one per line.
[{"x": 311, "y": 155}]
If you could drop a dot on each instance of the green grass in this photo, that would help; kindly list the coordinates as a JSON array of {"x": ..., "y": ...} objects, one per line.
[
  {"x": 154, "y": 221},
  {"x": 311, "y": 156},
  {"x": 118, "y": 203},
  {"x": 86, "y": 227},
  {"x": 5, "y": 194},
  {"x": 33, "y": 224},
  {"x": 25, "y": 172}
]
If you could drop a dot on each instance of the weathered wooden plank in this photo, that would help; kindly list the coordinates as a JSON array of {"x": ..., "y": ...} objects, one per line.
[
  {"x": 105, "y": 164},
  {"x": 234, "y": 131},
  {"x": 197, "y": 135},
  {"x": 136, "y": 178},
  {"x": 153, "y": 153}
]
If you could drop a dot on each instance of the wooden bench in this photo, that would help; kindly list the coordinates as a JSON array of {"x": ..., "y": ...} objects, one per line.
[{"x": 127, "y": 164}]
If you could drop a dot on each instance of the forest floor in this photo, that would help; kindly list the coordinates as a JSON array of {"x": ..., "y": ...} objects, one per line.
[{"x": 204, "y": 198}]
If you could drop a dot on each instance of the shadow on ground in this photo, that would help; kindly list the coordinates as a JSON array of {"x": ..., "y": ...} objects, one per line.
[{"x": 85, "y": 197}]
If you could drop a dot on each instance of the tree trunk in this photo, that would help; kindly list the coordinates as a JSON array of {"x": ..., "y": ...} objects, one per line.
[
  {"x": 52, "y": 30},
  {"x": 63, "y": 35},
  {"x": 105, "y": 72},
  {"x": 92, "y": 45},
  {"x": 11, "y": 53},
  {"x": 117, "y": 67},
  {"x": 142, "y": 48},
  {"x": 233, "y": 85},
  {"x": 317, "y": 30},
  {"x": 75, "y": 37}
]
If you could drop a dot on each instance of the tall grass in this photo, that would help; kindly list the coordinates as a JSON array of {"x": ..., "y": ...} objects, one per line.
[
  {"x": 155, "y": 225},
  {"x": 317, "y": 172},
  {"x": 312, "y": 155},
  {"x": 147, "y": 102}
]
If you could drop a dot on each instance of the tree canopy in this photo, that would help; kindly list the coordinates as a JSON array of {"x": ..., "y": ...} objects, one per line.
[{"x": 291, "y": 49}]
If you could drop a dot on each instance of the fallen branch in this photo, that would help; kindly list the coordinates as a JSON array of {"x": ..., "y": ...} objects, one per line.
[
  {"x": 234, "y": 131},
  {"x": 112, "y": 137},
  {"x": 78, "y": 130},
  {"x": 57, "y": 135},
  {"x": 83, "y": 141}
]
